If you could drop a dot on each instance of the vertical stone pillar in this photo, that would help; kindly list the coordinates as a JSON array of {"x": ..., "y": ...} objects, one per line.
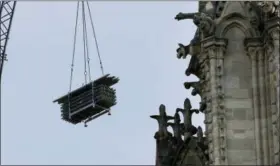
[
  {"x": 267, "y": 51},
  {"x": 216, "y": 120},
  {"x": 263, "y": 111},
  {"x": 275, "y": 78},
  {"x": 220, "y": 102},
  {"x": 214, "y": 106},
  {"x": 205, "y": 96},
  {"x": 252, "y": 52},
  {"x": 272, "y": 32}
]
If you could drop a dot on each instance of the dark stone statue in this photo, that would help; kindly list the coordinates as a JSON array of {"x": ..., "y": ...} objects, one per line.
[
  {"x": 196, "y": 20},
  {"x": 187, "y": 112},
  {"x": 204, "y": 22},
  {"x": 182, "y": 51},
  {"x": 177, "y": 127},
  {"x": 162, "y": 119}
]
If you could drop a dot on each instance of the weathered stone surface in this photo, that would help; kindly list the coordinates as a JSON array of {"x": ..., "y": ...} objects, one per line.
[
  {"x": 238, "y": 124},
  {"x": 241, "y": 134},
  {"x": 238, "y": 103},
  {"x": 240, "y": 113},
  {"x": 240, "y": 144},
  {"x": 232, "y": 82},
  {"x": 238, "y": 93},
  {"x": 244, "y": 157}
]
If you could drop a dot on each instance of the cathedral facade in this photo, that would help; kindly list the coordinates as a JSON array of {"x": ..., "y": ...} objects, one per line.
[{"x": 235, "y": 55}]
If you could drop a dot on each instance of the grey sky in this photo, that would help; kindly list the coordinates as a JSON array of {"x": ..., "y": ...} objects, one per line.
[{"x": 138, "y": 42}]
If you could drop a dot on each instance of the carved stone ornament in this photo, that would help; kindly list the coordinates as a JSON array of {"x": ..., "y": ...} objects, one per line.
[
  {"x": 202, "y": 106},
  {"x": 187, "y": 113},
  {"x": 269, "y": 48},
  {"x": 207, "y": 25},
  {"x": 182, "y": 51},
  {"x": 162, "y": 119},
  {"x": 177, "y": 127},
  {"x": 212, "y": 52},
  {"x": 269, "y": 7},
  {"x": 275, "y": 33},
  {"x": 252, "y": 52},
  {"x": 197, "y": 87},
  {"x": 203, "y": 21}
]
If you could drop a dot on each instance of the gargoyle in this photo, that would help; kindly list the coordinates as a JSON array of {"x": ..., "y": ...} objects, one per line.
[
  {"x": 184, "y": 51},
  {"x": 207, "y": 25},
  {"x": 203, "y": 21},
  {"x": 162, "y": 119},
  {"x": 187, "y": 112},
  {"x": 196, "y": 87},
  {"x": 193, "y": 67},
  {"x": 194, "y": 17}
]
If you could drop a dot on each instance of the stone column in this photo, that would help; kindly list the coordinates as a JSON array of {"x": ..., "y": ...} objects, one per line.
[
  {"x": 205, "y": 96},
  {"x": 275, "y": 69},
  {"x": 272, "y": 27},
  {"x": 216, "y": 120},
  {"x": 268, "y": 106},
  {"x": 220, "y": 102},
  {"x": 271, "y": 104},
  {"x": 252, "y": 52},
  {"x": 263, "y": 111},
  {"x": 214, "y": 104}
]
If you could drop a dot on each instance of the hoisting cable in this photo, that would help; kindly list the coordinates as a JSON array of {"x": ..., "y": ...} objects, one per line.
[
  {"x": 95, "y": 38},
  {"x": 73, "y": 56},
  {"x": 84, "y": 41}
]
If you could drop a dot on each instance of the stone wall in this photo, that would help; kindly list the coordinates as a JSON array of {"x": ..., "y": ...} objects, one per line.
[{"x": 238, "y": 101}]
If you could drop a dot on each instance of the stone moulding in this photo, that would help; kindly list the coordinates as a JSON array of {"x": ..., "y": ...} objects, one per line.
[{"x": 213, "y": 41}]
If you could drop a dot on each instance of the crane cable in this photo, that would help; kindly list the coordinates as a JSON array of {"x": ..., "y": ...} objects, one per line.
[
  {"x": 95, "y": 38},
  {"x": 85, "y": 42},
  {"x": 74, "y": 47},
  {"x": 85, "y": 47}
]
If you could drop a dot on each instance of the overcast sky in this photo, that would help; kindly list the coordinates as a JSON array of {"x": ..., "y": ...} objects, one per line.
[{"x": 138, "y": 42}]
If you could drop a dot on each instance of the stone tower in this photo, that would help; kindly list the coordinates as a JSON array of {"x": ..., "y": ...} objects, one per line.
[{"x": 235, "y": 55}]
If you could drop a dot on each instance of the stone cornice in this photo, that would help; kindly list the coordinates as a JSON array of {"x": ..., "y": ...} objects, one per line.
[
  {"x": 252, "y": 52},
  {"x": 213, "y": 41},
  {"x": 253, "y": 46},
  {"x": 253, "y": 42}
]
